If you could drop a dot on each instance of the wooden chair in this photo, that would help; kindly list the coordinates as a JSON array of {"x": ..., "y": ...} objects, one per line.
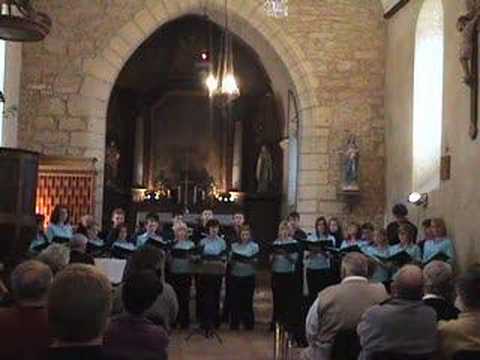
[
  {"x": 467, "y": 355},
  {"x": 400, "y": 356},
  {"x": 346, "y": 346}
]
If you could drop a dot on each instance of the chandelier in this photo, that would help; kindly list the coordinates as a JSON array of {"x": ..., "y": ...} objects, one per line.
[
  {"x": 19, "y": 21},
  {"x": 223, "y": 83},
  {"x": 276, "y": 8}
]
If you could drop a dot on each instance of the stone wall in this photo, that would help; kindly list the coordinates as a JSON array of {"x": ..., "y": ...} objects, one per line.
[
  {"x": 458, "y": 199},
  {"x": 329, "y": 52}
]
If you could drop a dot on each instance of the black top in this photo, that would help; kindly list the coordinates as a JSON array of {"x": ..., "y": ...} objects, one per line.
[
  {"x": 392, "y": 231},
  {"x": 300, "y": 235},
  {"x": 78, "y": 257},
  {"x": 444, "y": 310},
  {"x": 77, "y": 353}
]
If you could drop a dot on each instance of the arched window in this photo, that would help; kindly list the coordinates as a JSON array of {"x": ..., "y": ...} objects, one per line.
[{"x": 428, "y": 96}]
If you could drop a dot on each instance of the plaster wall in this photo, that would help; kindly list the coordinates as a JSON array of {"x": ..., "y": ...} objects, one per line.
[{"x": 456, "y": 200}]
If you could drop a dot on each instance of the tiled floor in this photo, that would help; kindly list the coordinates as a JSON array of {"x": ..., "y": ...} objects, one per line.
[{"x": 237, "y": 345}]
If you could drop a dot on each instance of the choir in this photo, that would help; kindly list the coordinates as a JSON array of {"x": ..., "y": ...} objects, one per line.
[{"x": 302, "y": 264}]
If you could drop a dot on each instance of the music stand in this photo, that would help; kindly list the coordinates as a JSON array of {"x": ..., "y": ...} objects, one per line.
[{"x": 211, "y": 268}]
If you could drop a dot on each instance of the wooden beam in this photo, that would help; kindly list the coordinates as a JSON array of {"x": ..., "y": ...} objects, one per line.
[{"x": 396, "y": 8}]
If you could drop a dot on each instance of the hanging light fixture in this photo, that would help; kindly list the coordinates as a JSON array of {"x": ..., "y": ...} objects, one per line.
[
  {"x": 276, "y": 8},
  {"x": 224, "y": 83},
  {"x": 19, "y": 21}
]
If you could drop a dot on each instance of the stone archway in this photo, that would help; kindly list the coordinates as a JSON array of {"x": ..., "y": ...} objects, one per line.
[{"x": 248, "y": 21}]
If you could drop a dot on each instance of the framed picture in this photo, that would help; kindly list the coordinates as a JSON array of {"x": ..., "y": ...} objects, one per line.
[{"x": 391, "y": 7}]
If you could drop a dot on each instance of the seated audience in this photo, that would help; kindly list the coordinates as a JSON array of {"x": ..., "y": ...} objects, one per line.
[
  {"x": 403, "y": 325},
  {"x": 79, "y": 304},
  {"x": 440, "y": 245},
  {"x": 400, "y": 213},
  {"x": 462, "y": 334},
  {"x": 339, "y": 308},
  {"x": 56, "y": 256},
  {"x": 59, "y": 229},
  {"x": 165, "y": 309},
  {"x": 24, "y": 331},
  {"x": 78, "y": 248},
  {"x": 40, "y": 240},
  {"x": 439, "y": 291},
  {"x": 132, "y": 335}
]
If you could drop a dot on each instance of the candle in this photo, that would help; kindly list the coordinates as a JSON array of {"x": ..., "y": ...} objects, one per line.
[{"x": 195, "y": 195}]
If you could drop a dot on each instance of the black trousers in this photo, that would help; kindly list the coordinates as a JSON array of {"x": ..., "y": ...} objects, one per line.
[
  {"x": 242, "y": 291},
  {"x": 318, "y": 280},
  {"x": 181, "y": 284},
  {"x": 209, "y": 286},
  {"x": 227, "y": 301},
  {"x": 287, "y": 300}
]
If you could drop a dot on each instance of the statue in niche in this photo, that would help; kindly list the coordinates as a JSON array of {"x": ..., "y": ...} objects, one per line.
[
  {"x": 112, "y": 159},
  {"x": 351, "y": 165},
  {"x": 264, "y": 171},
  {"x": 468, "y": 25}
]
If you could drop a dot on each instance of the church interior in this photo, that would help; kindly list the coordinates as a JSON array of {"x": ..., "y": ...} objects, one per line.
[{"x": 184, "y": 116}]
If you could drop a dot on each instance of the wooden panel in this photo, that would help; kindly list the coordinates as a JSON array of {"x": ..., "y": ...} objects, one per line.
[{"x": 70, "y": 182}]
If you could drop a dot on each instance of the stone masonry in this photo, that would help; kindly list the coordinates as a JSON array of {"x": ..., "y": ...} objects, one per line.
[{"x": 332, "y": 52}]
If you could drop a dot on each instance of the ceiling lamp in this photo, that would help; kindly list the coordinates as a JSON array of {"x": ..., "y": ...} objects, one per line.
[
  {"x": 19, "y": 21},
  {"x": 224, "y": 83},
  {"x": 276, "y": 8}
]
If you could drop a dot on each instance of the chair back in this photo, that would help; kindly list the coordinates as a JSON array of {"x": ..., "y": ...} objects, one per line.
[
  {"x": 346, "y": 346},
  {"x": 467, "y": 355},
  {"x": 400, "y": 356}
]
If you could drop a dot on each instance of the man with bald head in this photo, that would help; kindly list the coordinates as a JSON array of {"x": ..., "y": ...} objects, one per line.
[
  {"x": 402, "y": 325},
  {"x": 24, "y": 327},
  {"x": 339, "y": 308}
]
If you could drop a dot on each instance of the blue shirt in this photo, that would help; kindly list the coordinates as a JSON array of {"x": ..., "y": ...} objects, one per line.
[
  {"x": 123, "y": 244},
  {"x": 348, "y": 243},
  {"x": 283, "y": 263},
  {"x": 381, "y": 274},
  {"x": 434, "y": 247},
  {"x": 213, "y": 247},
  {"x": 318, "y": 261},
  {"x": 249, "y": 249},
  {"x": 179, "y": 265},
  {"x": 63, "y": 231}
]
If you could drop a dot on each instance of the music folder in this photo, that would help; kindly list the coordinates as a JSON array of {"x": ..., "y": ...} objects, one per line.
[
  {"x": 440, "y": 256},
  {"x": 321, "y": 245},
  {"x": 288, "y": 248}
]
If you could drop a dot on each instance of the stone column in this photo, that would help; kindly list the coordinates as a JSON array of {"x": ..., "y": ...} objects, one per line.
[
  {"x": 286, "y": 205},
  {"x": 138, "y": 151},
  {"x": 237, "y": 155},
  {"x": 13, "y": 66}
]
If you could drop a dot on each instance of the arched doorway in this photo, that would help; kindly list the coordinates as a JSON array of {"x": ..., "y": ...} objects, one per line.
[{"x": 277, "y": 53}]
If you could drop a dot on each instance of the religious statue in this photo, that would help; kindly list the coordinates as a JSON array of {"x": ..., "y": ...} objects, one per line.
[
  {"x": 468, "y": 25},
  {"x": 112, "y": 159},
  {"x": 351, "y": 165},
  {"x": 264, "y": 172}
]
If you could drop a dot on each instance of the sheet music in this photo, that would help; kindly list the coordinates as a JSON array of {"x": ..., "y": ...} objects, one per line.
[{"x": 112, "y": 268}]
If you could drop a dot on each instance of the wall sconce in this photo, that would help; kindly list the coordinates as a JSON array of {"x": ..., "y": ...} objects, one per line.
[{"x": 418, "y": 199}]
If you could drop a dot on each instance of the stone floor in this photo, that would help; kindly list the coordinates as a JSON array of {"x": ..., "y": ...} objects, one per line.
[{"x": 237, "y": 345}]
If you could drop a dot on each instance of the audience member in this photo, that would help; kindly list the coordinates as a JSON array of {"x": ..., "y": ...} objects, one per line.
[
  {"x": 463, "y": 334},
  {"x": 59, "y": 229},
  {"x": 165, "y": 309},
  {"x": 79, "y": 304},
  {"x": 78, "y": 247},
  {"x": 403, "y": 325},
  {"x": 339, "y": 308},
  {"x": 439, "y": 290},
  {"x": 132, "y": 336},
  {"x": 56, "y": 256},
  {"x": 400, "y": 213},
  {"x": 24, "y": 331}
]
